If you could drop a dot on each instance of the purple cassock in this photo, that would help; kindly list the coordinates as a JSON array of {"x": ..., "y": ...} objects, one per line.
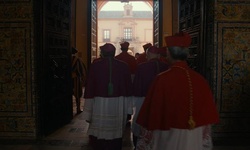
[
  {"x": 145, "y": 74},
  {"x": 108, "y": 93},
  {"x": 108, "y": 78},
  {"x": 108, "y": 100}
]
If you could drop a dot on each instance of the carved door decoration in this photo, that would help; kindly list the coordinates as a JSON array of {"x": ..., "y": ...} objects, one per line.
[
  {"x": 56, "y": 84},
  {"x": 156, "y": 23},
  {"x": 92, "y": 24},
  {"x": 191, "y": 21}
]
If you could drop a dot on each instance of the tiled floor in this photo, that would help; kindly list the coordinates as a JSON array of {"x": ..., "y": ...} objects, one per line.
[{"x": 74, "y": 136}]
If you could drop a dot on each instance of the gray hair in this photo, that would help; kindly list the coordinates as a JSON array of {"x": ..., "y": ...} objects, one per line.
[{"x": 178, "y": 53}]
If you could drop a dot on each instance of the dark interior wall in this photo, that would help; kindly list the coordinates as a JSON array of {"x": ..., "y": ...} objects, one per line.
[{"x": 81, "y": 28}]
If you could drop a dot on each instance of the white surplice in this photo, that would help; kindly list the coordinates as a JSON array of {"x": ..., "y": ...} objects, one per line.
[
  {"x": 176, "y": 139},
  {"x": 137, "y": 103},
  {"x": 107, "y": 116}
]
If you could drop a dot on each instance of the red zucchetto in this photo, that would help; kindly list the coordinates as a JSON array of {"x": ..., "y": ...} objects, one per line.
[{"x": 181, "y": 39}]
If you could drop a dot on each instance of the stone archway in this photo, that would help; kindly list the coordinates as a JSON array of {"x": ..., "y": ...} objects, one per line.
[{"x": 101, "y": 3}]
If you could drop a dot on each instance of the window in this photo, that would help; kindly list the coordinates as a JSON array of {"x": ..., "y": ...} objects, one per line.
[
  {"x": 127, "y": 34},
  {"x": 106, "y": 35}
]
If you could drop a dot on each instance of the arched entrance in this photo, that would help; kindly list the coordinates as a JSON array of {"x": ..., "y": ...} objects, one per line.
[{"x": 96, "y": 6}]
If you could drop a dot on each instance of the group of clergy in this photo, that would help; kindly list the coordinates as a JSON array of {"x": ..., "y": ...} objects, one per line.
[{"x": 172, "y": 105}]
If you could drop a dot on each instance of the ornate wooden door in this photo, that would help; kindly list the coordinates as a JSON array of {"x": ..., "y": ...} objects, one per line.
[
  {"x": 191, "y": 20},
  {"x": 157, "y": 22},
  {"x": 92, "y": 33},
  {"x": 55, "y": 104}
]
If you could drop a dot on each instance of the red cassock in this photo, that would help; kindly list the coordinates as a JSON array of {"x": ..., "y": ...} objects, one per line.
[
  {"x": 142, "y": 58},
  {"x": 127, "y": 58},
  {"x": 167, "y": 104},
  {"x": 164, "y": 59}
]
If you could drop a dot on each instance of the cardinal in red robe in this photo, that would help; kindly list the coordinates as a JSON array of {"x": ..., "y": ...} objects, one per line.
[{"x": 179, "y": 108}]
